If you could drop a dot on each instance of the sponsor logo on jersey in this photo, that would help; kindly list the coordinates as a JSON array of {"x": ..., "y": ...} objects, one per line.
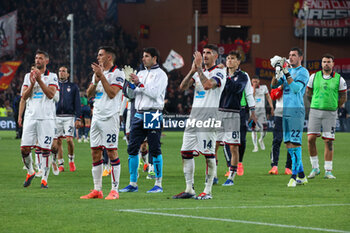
[
  {"x": 220, "y": 75},
  {"x": 38, "y": 95},
  {"x": 119, "y": 79},
  {"x": 99, "y": 95},
  {"x": 200, "y": 94}
]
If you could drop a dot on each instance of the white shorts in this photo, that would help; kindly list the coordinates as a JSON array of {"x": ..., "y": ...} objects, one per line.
[
  {"x": 229, "y": 132},
  {"x": 38, "y": 133},
  {"x": 325, "y": 119},
  {"x": 64, "y": 127},
  {"x": 104, "y": 133}
]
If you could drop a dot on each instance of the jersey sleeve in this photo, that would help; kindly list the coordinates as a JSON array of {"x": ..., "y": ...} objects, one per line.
[
  {"x": 117, "y": 79},
  {"x": 342, "y": 85},
  {"x": 303, "y": 77},
  {"x": 54, "y": 81},
  {"x": 311, "y": 81},
  {"x": 219, "y": 77},
  {"x": 249, "y": 92},
  {"x": 93, "y": 79},
  {"x": 266, "y": 90}
]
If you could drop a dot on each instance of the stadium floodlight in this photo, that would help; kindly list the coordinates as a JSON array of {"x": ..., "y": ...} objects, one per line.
[{"x": 70, "y": 18}]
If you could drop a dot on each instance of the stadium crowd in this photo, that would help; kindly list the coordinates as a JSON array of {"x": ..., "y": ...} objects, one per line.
[{"x": 49, "y": 31}]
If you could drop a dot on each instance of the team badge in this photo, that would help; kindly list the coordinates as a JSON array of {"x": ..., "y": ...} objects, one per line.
[{"x": 68, "y": 89}]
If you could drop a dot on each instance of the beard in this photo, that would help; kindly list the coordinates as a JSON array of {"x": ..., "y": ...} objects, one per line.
[{"x": 38, "y": 66}]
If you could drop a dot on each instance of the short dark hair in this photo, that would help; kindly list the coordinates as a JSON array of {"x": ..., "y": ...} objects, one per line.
[
  {"x": 235, "y": 53},
  {"x": 300, "y": 52},
  {"x": 153, "y": 51},
  {"x": 328, "y": 55},
  {"x": 64, "y": 67},
  {"x": 256, "y": 77},
  {"x": 212, "y": 47},
  {"x": 110, "y": 50},
  {"x": 42, "y": 52}
]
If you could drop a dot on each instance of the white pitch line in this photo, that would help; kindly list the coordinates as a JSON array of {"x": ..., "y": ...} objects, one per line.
[
  {"x": 235, "y": 221},
  {"x": 242, "y": 207}
]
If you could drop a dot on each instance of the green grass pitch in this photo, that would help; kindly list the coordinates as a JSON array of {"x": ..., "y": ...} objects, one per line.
[{"x": 258, "y": 202}]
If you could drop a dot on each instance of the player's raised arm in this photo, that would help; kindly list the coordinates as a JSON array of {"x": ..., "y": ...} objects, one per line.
[{"x": 187, "y": 82}]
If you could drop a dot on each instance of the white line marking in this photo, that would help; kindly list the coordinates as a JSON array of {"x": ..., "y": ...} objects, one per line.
[
  {"x": 236, "y": 221},
  {"x": 243, "y": 207}
]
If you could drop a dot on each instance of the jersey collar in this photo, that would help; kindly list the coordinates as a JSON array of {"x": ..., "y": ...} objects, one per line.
[
  {"x": 212, "y": 68},
  {"x": 47, "y": 72},
  {"x": 156, "y": 66},
  {"x": 112, "y": 69}
]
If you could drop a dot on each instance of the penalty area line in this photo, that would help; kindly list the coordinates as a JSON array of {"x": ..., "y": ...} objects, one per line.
[
  {"x": 232, "y": 220},
  {"x": 241, "y": 207}
]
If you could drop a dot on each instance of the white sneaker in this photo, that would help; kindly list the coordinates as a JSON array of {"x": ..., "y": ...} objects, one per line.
[
  {"x": 261, "y": 143},
  {"x": 86, "y": 140},
  {"x": 329, "y": 175},
  {"x": 313, "y": 173},
  {"x": 80, "y": 140},
  {"x": 256, "y": 149}
]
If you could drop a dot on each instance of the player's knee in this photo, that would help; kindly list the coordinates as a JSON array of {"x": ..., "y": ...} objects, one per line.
[
  {"x": 54, "y": 149},
  {"x": 311, "y": 139},
  {"x": 69, "y": 139},
  {"x": 187, "y": 155},
  {"x": 25, "y": 151},
  {"x": 112, "y": 154}
]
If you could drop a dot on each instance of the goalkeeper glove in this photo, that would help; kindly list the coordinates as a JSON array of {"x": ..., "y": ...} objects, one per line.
[{"x": 127, "y": 71}]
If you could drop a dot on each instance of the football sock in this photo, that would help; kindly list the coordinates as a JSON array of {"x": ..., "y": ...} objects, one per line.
[
  {"x": 158, "y": 169},
  {"x": 314, "y": 161},
  {"x": 188, "y": 169},
  {"x": 233, "y": 171},
  {"x": 255, "y": 139},
  {"x": 60, "y": 162},
  {"x": 291, "y": 151},
  {"x": 133, "y": 165},
  {"x": 227, "y": 153},
  {"x": 28, "y": 162},
  {"x": 45, "y": 165},
  {"x": 328, "y": 165},
  {"x": 97, "y": 175},
  {"x": 210, "y": 175},
  {"x": 115, "y": 174},
  {"x": 71, "y": 158},
  {"x": 298, "y": 153},
  {"x": 38, "y": 158}
]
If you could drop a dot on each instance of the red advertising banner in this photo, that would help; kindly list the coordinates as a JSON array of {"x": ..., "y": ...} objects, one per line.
[
  {"x": 325, "y": 19},
  {"x": 7, "y": 72}
]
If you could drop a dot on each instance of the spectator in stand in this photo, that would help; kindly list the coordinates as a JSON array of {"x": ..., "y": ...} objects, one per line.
[{"x": 343, "y": 115}]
